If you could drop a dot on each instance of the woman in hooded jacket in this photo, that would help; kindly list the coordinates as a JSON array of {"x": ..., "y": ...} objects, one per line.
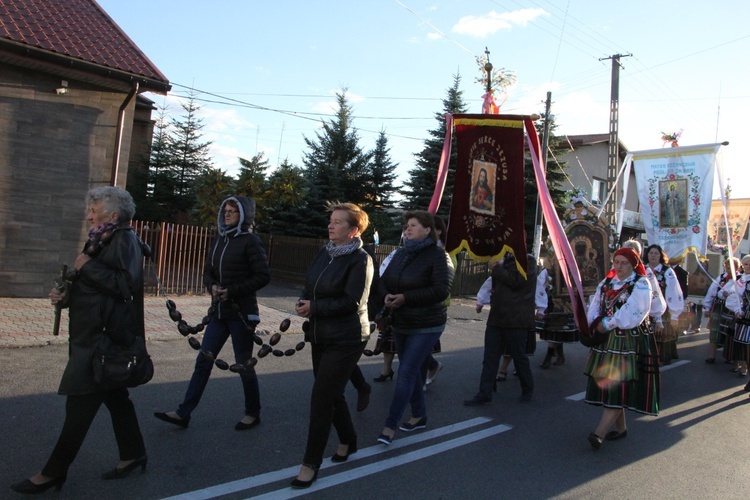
[{"x": 236, "y": 268}]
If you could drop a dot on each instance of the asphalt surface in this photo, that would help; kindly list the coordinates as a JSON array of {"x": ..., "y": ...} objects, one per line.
[{"x": 695, "y": 448}]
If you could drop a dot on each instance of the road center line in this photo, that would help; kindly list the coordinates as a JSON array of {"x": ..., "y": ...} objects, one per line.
[
  {"x": 374, "y": 468},
  {"x": 289, "y": 472},
  {"x": 579, "y": 396}
]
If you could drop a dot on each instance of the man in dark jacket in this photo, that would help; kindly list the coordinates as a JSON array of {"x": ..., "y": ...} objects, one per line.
[{"x": 511, "y": 318}]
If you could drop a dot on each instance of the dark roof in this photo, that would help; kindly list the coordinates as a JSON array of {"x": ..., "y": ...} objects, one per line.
[
  {"x": 591, "y": 139},
  {"x": 72, "y": 31}
]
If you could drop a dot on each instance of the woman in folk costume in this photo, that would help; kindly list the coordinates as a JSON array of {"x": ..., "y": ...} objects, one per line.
[
  {"x": 714, "y": 303},
  {"x": 623, "y": 371},
  {"x": 738, "y": 301},
  {"x": 666, "y": 330}
]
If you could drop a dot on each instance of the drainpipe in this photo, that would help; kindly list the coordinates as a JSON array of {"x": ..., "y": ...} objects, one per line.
[{"x": 118, "y": 133}]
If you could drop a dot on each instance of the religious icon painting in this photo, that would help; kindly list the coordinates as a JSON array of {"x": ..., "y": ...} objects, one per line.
[
  {"x": 482, "y": 194},
  {"x": 673, "y": 206}
]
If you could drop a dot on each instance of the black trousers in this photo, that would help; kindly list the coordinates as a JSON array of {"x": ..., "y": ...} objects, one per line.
[
  {"x": 80, "y": 412},
  {"x": 496, "y": 341},
  {"x": 332, "y": 367}
]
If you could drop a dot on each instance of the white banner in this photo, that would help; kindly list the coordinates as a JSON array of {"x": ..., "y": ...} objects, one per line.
[{"x": 675, "y": 187}]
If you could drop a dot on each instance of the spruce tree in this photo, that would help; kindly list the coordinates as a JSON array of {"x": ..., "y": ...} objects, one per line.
[
  {"x": 381, "y": 191},
  {"x": 421, "y": 183},
  {"x": 189, "y": 158},
  {"x": 336, "y": 167},
  {"x": 285, "y": 209}
]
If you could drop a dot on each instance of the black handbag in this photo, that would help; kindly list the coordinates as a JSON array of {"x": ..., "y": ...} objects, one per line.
[
  {"x": 116, "y": 366},
  {"x": 592, "y": 338}
]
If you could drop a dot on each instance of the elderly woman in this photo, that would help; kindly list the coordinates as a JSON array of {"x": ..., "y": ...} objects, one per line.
[
  {"x": 666, "y": 328},
  {"x": 414, "y": 288},
  {"x": 714, "y": 303},
  {"x": 738, "y": 302},
  {"x": 623, "y": 371},
  {"x": 105, "y": 296},
  {"x": 334, "y": 301},
  {"x": 236, "y": 268}
]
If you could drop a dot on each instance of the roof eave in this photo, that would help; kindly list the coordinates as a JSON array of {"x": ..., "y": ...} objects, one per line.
[{"x": 66, "y": 62}]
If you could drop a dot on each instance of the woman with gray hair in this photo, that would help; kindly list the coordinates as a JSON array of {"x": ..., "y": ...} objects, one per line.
[{"x": 105, "y": 296}]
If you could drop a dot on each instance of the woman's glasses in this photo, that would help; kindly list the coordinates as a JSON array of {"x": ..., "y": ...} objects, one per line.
[{"x": 231, "y": 212}]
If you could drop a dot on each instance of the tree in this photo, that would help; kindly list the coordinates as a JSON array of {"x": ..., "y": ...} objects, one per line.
[
  {"x": 336, "y": 167},
  {"x": 422, "y": 178},
  {"x": 251, "y": 182},
  {"x": 189, "y": 158},
  {"x": 284, "y": 203},
  {"x": 213, "y": 187},
  {"x": 380, "y": 192},
  {"x": 154, "y": 200}
]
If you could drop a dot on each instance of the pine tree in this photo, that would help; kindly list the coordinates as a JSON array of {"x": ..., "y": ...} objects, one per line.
[
  {"x": 285, "y": 209},
  {"x": 422, "y": 178},
  {"x": 251, "y": 182},
  {"x": 380, "y": 195},
  {"x": 336, "y": 167},
  {"x": 154, "y": 202},
  {"x": 212, "y": 187},
  {"x": 189, "y": 158}
]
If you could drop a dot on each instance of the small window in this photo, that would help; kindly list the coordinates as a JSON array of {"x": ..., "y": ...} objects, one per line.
[{"x": 598, "y": 191}]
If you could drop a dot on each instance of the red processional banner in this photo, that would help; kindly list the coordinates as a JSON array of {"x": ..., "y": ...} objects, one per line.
[{"x": 487, "y": 203}]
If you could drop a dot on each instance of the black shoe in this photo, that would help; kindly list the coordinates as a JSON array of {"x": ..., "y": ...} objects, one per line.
[
  {"x": 343, "y": 458},
  {"x": 525, "y": 397},
  {"x": 383, "y": 377},
  {"x": 242, "y": 426},
  {"x": 180, "y": 422},
  {"x": 28, "y": 488},
  {"x": 595, "y": 441},
  {"x": 419, "y": 424},
  {"x": 710, "y": 361},
  {"x": 363, "y": 397},
  {"x": 385, "y": 439},
  {"x": 747, "y": 387},
  {"x": 614, "y": 435},
  {"x": 477, "y": 401},
  {"x": 119, "y": 473},
  {"x": 299, "y": 484}
]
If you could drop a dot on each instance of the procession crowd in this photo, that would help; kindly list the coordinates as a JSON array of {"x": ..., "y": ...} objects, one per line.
[{"x": 633, "y": 318}]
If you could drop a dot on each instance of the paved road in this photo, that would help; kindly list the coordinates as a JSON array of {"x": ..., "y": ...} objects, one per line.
[{"x": 696, "y": 447}]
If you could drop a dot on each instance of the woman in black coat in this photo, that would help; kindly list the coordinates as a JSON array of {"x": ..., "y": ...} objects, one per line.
[
  {"x": 334, "y": 301},
  {"x": 105, "y": 295},
  {"x": 236, "y": 268},
  {"x": 414, "y": 287}
]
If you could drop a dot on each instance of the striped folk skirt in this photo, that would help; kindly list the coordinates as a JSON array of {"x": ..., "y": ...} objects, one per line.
[{"x": 624, "y": 372}]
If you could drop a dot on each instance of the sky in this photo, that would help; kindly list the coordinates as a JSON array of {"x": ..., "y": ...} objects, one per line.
[{"x": 265, "y": 73}]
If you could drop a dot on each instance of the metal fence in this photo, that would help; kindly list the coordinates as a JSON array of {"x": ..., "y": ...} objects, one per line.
[{"x": 179, "y": 252}]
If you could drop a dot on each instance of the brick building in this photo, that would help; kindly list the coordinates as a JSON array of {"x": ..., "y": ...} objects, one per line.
[{"x": 71, "y": 118}]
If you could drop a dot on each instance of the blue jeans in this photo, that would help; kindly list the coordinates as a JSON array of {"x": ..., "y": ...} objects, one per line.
[
  {"x": 413, "y": 350},
  {"x": 217, "y": 333}
]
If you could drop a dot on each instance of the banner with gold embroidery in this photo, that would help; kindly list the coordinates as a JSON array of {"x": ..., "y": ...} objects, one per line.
[
  {"x": 487, "y": 203},
  {"x": 675, "y": 186},
  {"x": 738, "y": 213}
]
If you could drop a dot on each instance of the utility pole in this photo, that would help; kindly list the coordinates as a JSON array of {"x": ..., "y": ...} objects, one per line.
[
  {"x": 614, "y": 144},
  {"x": 539, "y": 216}
]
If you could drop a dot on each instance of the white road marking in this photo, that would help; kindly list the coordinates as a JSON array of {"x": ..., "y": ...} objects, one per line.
[
  {"x": 290, "y": 472},
  {"x": 374, "y": 468},
  {"x": 579, "y": 396}
]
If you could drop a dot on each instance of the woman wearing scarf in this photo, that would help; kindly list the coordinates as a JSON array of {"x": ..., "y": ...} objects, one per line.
[
  {"x": 414, "y": 288},
  {"x": 236, "y": 268},
  {"x": 334, "y": 301},
  {"x": 623, "y": 371}
]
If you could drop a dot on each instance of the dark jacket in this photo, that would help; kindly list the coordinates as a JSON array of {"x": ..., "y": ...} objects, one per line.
[
  {"x": 512, "y": 303},
  {"x": 338, "y": 289},
  {"x": 237, "y": 261},
  {"x": 98, "y": 302},
  {"x": 425, "y": 278}
]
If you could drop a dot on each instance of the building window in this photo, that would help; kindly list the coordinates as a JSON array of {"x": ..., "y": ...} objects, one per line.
[{"x": 598, "y": 191}]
